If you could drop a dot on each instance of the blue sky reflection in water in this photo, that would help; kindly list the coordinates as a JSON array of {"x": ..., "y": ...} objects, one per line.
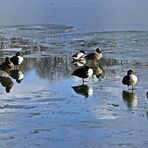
[{"x": 44, "y": 110}]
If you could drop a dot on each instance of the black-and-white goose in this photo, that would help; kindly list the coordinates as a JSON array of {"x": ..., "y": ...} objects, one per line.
[
  {"x": 83, "y": 72},
  {"x": 79, "y": 55},
  {"x": 17, "y": 59}
]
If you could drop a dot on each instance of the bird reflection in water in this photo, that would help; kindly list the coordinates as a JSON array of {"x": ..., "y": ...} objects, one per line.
[
  {"x": 7, "y": 83},
  {"x": 130, "y": 98},
  {"x": 84, "y": 90},
  {"x": 97, "y": 72},
  {"x": 17, "y": 75}
]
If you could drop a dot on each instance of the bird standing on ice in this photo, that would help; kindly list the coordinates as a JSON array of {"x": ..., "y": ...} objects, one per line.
[
  {"x": 7, "y": 66},
  {"x": 130, "y": 79},
  {"x": 83, "y": 72},
  {"x": 79, "y": 56},
  {"x": 17, "y": 59},
  {"x": 94, "y": 55}
]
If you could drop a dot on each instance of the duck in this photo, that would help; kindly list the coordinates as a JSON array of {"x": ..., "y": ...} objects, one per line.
[
  {"x": 79, "y": 55},
  {"x": 130, "y": 79},
  {"x": 94, "y": 55},
  {"x": 79, "y": 63},
  {"x": 17, "y": 59},
  {"x": 7, "y": 66},
  {"x": 83, "y": 72}
]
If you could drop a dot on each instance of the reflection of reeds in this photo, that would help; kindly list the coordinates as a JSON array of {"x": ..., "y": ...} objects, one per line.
[
  {"x": 56, "y": 67},
  {"x": 51, "y": 68}
]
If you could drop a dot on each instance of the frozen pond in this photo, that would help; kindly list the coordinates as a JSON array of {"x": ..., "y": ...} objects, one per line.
[
  {"x": 47, "y": 106},
  {"x": 51, "y": 108}
]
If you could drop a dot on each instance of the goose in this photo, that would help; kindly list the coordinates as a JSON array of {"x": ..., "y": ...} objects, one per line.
[
  {"x": 83, "y": 72},
  {"x": 7, "y": 66},
  {"x": 79, "y": 55},
  {"x": 94, "y": 55},
  {"x": 17, "y": 59},
  {"x": 79, "y": 63}
]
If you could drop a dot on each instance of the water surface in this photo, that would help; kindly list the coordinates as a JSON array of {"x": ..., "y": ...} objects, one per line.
[{"x": 84, "y": 15}]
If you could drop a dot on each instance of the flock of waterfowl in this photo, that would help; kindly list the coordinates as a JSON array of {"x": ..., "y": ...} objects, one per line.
[
  {"x": 80, "y": 59},
  {"x": 86, "y": 72}
]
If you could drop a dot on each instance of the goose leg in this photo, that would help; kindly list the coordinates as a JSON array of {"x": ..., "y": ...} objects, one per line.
[{"x": 128, "y": 87}]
